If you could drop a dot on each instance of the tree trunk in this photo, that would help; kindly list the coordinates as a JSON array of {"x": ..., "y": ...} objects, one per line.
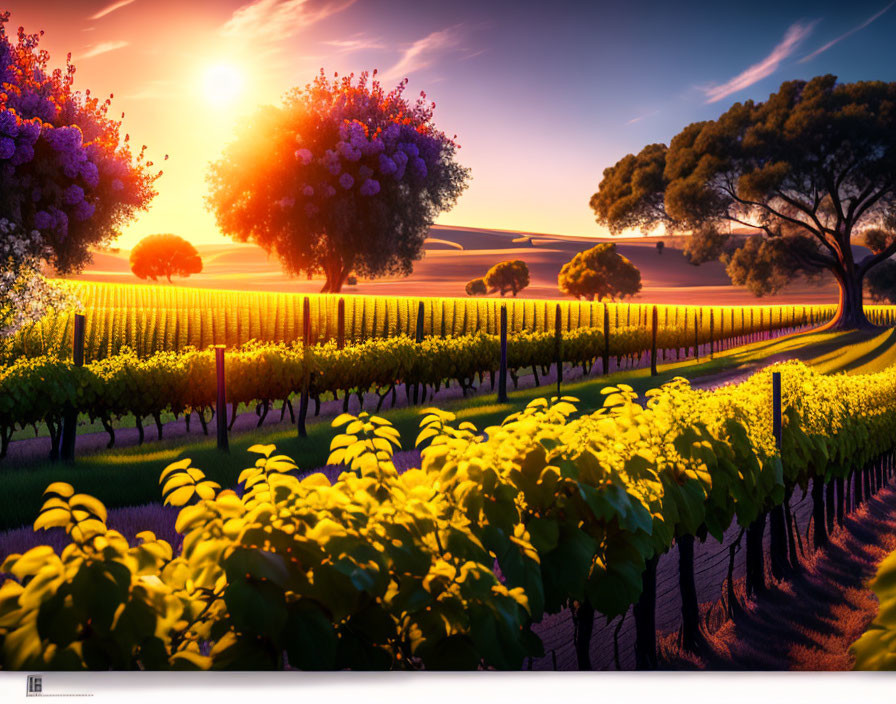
[
  {"x": 336, "y": 272},
  {"x": 645, "y": 619},
  {"x": 820, "y": 538},
  {"x": 755, "y": 557},
  {"x": 583, "y": 626},
  {"x": 692, "y": 637},
  {"x": 778, "y": 542},
  {"x": 850, "y": 313}
]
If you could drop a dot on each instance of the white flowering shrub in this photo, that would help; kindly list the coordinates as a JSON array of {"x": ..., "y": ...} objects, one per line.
[{"x": 25, "y": 294}]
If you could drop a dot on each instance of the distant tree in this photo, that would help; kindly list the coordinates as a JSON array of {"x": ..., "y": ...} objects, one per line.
[
  {"x": 164, "y": 255},
  {"x": 65, "y": 170},
  {"x": 706, "y": 244},
  {"x": 811, "y": 169},
  {"x": 343, "y": 177},
  {"x": 351, "y": 280},
  {"x": 476, "y": 287},
  {"x": 600, "y": 272},
  {"x": 881, "y": 282},
  {"x": 507, "y": 276}
]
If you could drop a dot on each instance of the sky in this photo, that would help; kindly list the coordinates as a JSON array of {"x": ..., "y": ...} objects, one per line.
[{"x": 542, "y": 96}]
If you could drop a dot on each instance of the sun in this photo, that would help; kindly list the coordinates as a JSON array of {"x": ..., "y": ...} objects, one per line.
[{"x": 222, "y": 84}]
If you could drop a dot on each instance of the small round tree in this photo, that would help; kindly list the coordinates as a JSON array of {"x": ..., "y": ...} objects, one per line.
[
  {"x": 507, "y": 276},
  {"x": 65, "y": 171},
  {"x": 343, "y": 177},
  {"x": 600, "y": 272},
  {"x": 476, "y": 287},
  {"x": 164, "y": 255},
  {"x": 811, "y": 169}
]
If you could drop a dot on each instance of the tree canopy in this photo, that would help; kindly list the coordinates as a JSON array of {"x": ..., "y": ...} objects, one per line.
[
  {"x": 65, "y": 170},
  {"x": 164, "y": 255},
  {"x": 600, "y": 272},
  {"x": 811, "y": 170},
  {"x": 507, "y": 276},
  {"x": 344, "y": 177},
  {"x": 881, "y": 282},
  {"x": 476, "y": 287}
]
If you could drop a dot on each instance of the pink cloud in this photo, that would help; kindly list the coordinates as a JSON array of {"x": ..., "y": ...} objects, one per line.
[
  {"x": 111, "y": 7},
  {"x": 755, "y": 73},
  {"x": 103, "y": 48},
  {"x": 421, "y": 53},
  {"x": 273, "y": 20},
  {"x": 843, "y": 36}
]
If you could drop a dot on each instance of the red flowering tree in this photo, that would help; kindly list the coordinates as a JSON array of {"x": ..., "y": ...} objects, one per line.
[
  {"x": 344, "y": 177},
  {"x": 164, "y": 255},
  {"x": 65, "y": 171}
]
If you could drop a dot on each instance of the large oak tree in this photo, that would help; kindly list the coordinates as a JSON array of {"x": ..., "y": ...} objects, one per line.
[
  {"x": 812, "y": 169},
  {"x": 344, "y": 177}
]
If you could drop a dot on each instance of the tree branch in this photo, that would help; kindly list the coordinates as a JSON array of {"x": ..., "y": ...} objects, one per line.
[
  {"x": 873, "y": 259},
  {"x": 775, "y": 213}
]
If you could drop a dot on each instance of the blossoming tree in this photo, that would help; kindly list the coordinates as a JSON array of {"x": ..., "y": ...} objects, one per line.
[
  {"x": 25, "y": 295},
  {"x": 67, "y": 180},
  {"x": 344, "y": 177},
  {"x": 65, "y": 171}
]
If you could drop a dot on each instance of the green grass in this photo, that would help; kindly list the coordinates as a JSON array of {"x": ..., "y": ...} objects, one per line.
[{"x": 129, "y": 476}]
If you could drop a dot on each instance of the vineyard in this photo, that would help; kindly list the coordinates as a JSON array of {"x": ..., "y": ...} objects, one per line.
[
  {"x": 382, "y": 570},
  {"x": 149, "y": 319}
]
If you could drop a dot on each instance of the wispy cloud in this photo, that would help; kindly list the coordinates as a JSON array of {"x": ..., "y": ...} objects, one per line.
[
  {"x": 642, "y": 117},
  {"x": 279, "y": 19},
  {"x": 357, "y": 43},
  {"x": 111, "y": 7},
  {"x": 422, "y": 53},
  {"x": 103, "y": 48},
  {"x": 755, "y": 73},
  {"x": 843, "y": 36}
]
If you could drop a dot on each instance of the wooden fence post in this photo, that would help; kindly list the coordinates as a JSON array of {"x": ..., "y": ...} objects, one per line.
[
  {"x": 606, "y": 339},
  {"x": 558, "y": 346},
  {"x": 653, "y": 326},
  {"x": 502, "y": 371},
  {"x": 711, "y": 326},
  {"x": 698, "y": 323},
  {"x": 340, "y": 324},
  {"x": 779, "y": 516},
  {"x": 776, "y": 408},
  {"x": 306, "y": 376},
  {"x": 221, "y": 405},
  {"x": 418, "y": 338},
  {"x": 70, "y": 418}
]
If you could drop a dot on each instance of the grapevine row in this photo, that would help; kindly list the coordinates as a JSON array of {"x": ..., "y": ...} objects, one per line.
[
  {"x": 151, "y": 319},
  {"x": 381, "y": 570},
  {"x": 40, "y": 389}
]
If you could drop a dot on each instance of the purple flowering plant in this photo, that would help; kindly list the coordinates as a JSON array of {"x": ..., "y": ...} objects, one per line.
[
  {"x": 366, "y": 172},
  {"x": 65, "y": 170}
]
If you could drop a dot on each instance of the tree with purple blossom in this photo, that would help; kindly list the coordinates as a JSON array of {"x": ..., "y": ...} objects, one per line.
[
  {"x": 344, "y": 177},
  {"x": 65, "y": 170}
]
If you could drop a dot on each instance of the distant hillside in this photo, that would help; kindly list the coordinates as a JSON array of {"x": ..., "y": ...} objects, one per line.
[{"x": 457, "y": 254}]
